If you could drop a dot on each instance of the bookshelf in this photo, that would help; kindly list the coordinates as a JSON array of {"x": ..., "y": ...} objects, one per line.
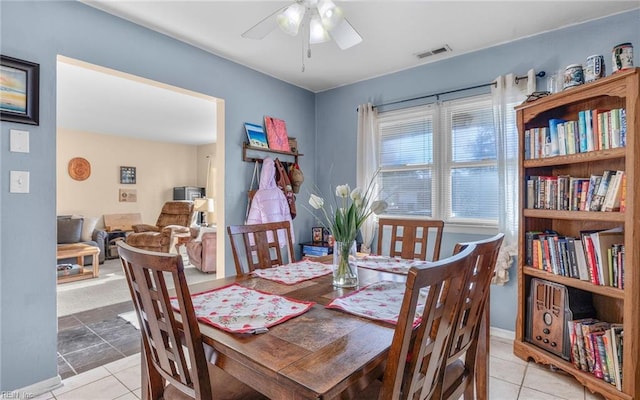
[{"x": 612, "y": 304}]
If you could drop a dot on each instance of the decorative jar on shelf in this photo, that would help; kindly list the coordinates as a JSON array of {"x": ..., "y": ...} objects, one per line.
[{"x": 345, "y": 269}]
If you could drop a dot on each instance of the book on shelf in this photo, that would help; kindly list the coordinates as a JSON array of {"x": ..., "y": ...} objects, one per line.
[
  {"x": 594, "y": 182},
  {"x": 623, "y": 193},
  {"x": 554, "y": 138},
  {"x": 616, "y": 333},
  {"x": 276, "y": 134},
  {"x": 581, "y": 260},
  {"x": 600, "y": 363},
  {"x": 612, "y": 198},
  {"x": 590, "y": 352},
  {"x": 256, "y": 136},
  {"x": 603, "y": 242},
  {"x": 601, "y": 191}
]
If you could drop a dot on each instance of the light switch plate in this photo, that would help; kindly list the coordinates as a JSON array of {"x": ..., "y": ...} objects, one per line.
[
  {"x": 19, "y": 141},
  {"x": 19, "y": 182}
]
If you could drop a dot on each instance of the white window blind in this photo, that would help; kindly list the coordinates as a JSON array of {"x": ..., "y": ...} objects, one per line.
[{"x": 439, "y": 161}]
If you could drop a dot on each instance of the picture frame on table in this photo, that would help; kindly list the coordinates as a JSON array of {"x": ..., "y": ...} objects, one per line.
[
  {"x": 127, "y": 175},
  {"x": 317, "y": 234},
  {"x": 19, "y": 91}
]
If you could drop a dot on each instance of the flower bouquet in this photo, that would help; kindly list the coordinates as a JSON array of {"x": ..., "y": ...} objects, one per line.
[{"x": 352, "y": 208}]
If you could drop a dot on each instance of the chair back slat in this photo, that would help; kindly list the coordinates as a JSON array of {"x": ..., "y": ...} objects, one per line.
[
  {"x": 475, "y": 293},
  {"x": 147, "y": 274},
  {"x": 417, "y": 357},
  {"x": 410, "y": 238},
  {"x": 260, "y": 245}
]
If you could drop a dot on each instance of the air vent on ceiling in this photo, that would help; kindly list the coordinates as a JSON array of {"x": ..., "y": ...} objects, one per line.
[{"x": 433, "y": 52}]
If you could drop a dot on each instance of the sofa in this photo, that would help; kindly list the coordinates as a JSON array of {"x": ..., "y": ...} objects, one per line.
[{"x": 72, "y": 229}]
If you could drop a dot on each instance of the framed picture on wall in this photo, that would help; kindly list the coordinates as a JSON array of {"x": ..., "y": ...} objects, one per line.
[
  {"x": 19, "y": 90},
  {"x": 128, "y": 175}
]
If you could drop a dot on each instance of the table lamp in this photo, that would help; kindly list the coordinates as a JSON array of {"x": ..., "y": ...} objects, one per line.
[{"x": 204, "y": 205}]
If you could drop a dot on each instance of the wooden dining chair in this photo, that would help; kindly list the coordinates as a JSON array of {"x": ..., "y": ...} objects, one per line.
[
  {"x": 417, "y": 357},
  {"x": 468, "y": 357},
  {"x": 262, "y": 244},
  {"x": 410, "y": 238},
  {"x": 188, "y": 373}
]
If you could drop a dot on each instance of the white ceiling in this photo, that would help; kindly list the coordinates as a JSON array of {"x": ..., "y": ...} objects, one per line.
[{"x": 393, "y": 32}]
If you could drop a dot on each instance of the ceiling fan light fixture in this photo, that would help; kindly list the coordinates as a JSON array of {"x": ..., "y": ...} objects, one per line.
[
  {"x": 317, "y": 33},
  {"x": 330, "y": 14},
  {"x": 289, "y": 20}
]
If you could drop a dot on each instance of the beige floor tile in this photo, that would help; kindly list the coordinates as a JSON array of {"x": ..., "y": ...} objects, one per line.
[
  {"x": 502, "y": 390},
  {"x": 130, "y": 377},
  {"x": 531, "y": 394},
  {"x": 506, "y": 370},
  {"x": 108, "y": 388},
  {"x": 82, "y": 379},
  {"x": 592, "y": 396},
  {"x": 123, "y": 363},
  {"x": 43, "y": 396},
  {"x": 503, "y": 349},
  {"x": 138, "y": 393},
  {"x": 554, "y": 383},
  {"x": 128, "y": 396}
]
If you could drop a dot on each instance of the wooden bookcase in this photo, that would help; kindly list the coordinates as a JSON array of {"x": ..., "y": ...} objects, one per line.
[{"x": 621, "y": 90}]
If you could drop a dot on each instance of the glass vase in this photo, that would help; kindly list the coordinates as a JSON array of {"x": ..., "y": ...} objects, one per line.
[{"x": 345, "y": 269}]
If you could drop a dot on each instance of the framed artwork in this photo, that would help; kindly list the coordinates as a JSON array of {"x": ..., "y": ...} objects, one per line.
[
  {"x": 19, "y": 90},
  {"x": 316, "y": 234},
  {"x": 256, "y": 135},
  {"x": 276, "y": 134},
  {"x": 128, "y": 195},
  {"x": 326, "y": 235},
  {"x": 128, "y": 175}
]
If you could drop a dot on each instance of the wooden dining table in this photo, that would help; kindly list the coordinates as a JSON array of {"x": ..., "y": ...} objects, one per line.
[{"x": 323, "y": 353}]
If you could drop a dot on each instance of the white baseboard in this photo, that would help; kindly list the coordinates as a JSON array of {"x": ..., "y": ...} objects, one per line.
[
  {"x": 502, "y": 333},
  {"x": 38, "y": 388}
]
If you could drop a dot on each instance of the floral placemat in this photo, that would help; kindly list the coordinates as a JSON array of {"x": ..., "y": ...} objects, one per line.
[
  {"x": 235, "y": 308},
  {"x": 293, "y": 273},
  {"x": 380, "y": 301},
  {"x": 388, "y": 264}
]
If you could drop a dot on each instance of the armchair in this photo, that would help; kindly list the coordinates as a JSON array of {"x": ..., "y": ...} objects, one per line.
[
  {"x": 202, "y": 248},
  {"x": 175, "y": 218}
]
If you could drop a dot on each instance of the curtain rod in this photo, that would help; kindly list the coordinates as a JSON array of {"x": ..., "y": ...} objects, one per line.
[{"x": 517, "y": 79}]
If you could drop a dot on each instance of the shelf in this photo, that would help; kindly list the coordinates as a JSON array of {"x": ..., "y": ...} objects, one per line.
[
  {"x": 576, "y": 283},
  {"x": 527, "y": 350},
  {"x": 590, "y": 156},
  {"x": 247, "y": 148},
  {"x": 575, "y": 215}
]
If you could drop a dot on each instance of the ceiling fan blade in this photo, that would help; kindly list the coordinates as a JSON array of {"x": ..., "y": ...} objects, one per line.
[
  {"x": 264, "y": 27},
  {"x": 345, "y": 35}
]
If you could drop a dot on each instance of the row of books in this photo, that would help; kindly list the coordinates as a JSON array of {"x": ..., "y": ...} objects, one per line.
[
  {"x": 597, "y": 256},
  {"x": 316, "y": 251},
  {"x": 606, "y": 192},
  {"x": 596, "y": 347},
  {"x": 594, "y": 130}
]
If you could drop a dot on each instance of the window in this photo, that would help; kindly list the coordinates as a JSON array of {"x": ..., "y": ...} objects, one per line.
[{"x": 440, "y": 161}]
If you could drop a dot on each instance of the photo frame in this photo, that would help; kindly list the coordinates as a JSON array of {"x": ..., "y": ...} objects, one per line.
[
  {"x": 128, "y": 195},
  {"x": 128, "y": 175},
  {"x": 316, "y": 234},
  {"x": 326, "y": 235},
  {"x": 19, "y": 91}
]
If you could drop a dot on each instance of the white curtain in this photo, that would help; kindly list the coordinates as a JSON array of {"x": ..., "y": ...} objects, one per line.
[
  {"x": 506, "y": 95},
  {"x": 367, "y": 163}
]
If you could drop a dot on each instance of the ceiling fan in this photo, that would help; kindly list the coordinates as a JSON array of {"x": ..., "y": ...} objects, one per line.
[{"x": 321, "y": 21}]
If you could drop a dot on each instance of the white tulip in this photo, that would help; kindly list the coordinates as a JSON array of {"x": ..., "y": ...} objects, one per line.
[
  {"x": 342, "y": 191},
  {"x": 316, "y": 202},
  {"x": 379, "y": 206},
  {"x": 356, "y": 194}
]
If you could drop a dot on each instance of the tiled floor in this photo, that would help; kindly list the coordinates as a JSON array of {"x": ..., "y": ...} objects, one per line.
[
  {"x": 511, "y": 379},
  {"x": 89, "y": 339}
]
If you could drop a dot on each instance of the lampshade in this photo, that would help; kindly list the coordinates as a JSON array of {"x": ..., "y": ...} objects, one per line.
[
  {"x": 206, "y": 205},
  {"x": 317, "y": 33},
  {"x": 289, "y": 20},
  {"x": 330, "y": 14}
]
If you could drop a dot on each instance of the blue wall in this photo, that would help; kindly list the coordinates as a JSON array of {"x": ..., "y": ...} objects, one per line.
[
  {"x": 336, "y": 119},
  {"x": 38, "y": 32},
  {"x": 324, "y": 124}
]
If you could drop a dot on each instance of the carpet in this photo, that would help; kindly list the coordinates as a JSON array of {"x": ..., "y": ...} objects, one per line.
[{"x": 110, "y": 287}]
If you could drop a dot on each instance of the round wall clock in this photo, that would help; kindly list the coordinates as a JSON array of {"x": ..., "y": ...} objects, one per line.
[{"x": 79, "y": 168}]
